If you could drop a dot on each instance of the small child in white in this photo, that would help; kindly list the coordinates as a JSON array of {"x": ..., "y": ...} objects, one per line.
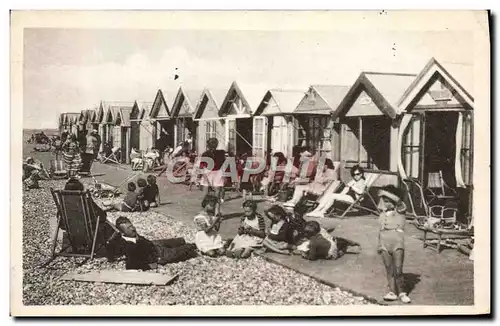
[
  {"x": 250, "y": 234},
  {"x": 208, "y": 240}
]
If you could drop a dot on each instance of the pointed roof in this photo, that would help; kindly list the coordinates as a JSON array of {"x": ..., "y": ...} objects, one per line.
[
  {"x": 384, "y": 89},
  {"x": 99, "y": 114},
  {"x": 190, "y": 96},
  {"x": 330, "y": 95},
  {"x": 124, "y": 114},
  {"x": 159, "y": 101},
  {"x": 285, "y": 100},
  {"x": 214, "y": 95},
  {"x": 72, "y": 117},
  {"x": 112, "y": 109},
  {"x": 433, "y": 70},
  {"x": 250, "y": 94},
  {"x": 84, "y": 116}
]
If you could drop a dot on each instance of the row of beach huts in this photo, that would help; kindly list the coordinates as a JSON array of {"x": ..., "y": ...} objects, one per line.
[{"x": 402, "y": 125}]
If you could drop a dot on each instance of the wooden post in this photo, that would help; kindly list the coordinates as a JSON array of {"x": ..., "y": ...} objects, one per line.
[{"x": 360, "y": 139}]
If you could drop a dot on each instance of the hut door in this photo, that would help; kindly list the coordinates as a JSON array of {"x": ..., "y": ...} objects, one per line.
[
  {"x": 260, "y": 136},
  {"x": 231, "y": 135},
  {"x": 412, "y": 150}
]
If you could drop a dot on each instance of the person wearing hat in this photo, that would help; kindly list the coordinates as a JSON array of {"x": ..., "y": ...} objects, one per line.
[{"x": 391, "y": 241}]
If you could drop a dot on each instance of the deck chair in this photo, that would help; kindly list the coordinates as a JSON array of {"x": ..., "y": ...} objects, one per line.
[
  {"x": 75, "y": 214},
  {"x": 309, "y": 201},
  {"x": 358, "y": 203},
  {"x": 414, "y": 199},
  {"x": 437, "y": 188},
  {"x": 113, "y": 156},
  {"x": 423, "y": 210},
  {"x": 57, "y": 169}
]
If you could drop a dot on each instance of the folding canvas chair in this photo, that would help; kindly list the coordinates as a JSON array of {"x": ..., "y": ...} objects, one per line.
[
  {"x": 76, "y": 216},
  {"x": 415, "y": 199},
  {"x": 309, "y": 201},
  {"x": 437, "y": 188},
  {"x": 358, "y": 203},
  {"x": 113, "y": 157},
  {"x": 423, "y": 210},
  {"x": 58, "y": 169}
]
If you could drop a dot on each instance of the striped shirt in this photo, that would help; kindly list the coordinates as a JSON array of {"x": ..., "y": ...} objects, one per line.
[{"x": 259, "y": 222}]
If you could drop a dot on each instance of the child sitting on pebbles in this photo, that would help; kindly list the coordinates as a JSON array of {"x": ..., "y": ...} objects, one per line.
[
  {"x": 151, "y": 192},
  {"x": 208, "y": 240},
  {"x": 279, "y": 236},
  {"x": 129, "y": 204},
  {"x": 141, "y": 194},
  {"x": 250, "y": 233},
  {"x": 143, "y": 254}
]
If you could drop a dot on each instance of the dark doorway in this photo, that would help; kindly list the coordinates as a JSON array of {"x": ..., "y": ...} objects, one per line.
[
  {"x": 244, "y": 136},
  {"x": 440, "y": 145}
]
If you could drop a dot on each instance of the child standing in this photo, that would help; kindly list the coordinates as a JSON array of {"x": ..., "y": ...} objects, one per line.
[
  {"x": 208, "y": 240},
  {"x": 151, "y": 192},
  {"x": 279, "y": 233},
  {"x": 250, "y": 233},
  {"x": 391, "y": 242}
]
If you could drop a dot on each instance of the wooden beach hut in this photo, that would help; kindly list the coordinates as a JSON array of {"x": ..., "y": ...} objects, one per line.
[
  {"x": 436, "y": 129},
  {"x": 274, "y": 123},
  {"x": 315, "y": 128},
  {"x": 237, "y": 108},
  {"x": 183, "y": 109},
  {"x": 158, "y": 124},
  {"x": 210, "y": 124}
]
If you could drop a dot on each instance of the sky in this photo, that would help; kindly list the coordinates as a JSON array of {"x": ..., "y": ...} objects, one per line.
[{"x": 68, "y": 70}]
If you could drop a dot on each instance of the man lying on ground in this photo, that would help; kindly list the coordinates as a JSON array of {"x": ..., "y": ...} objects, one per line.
[{"x": 144, "y": 254}]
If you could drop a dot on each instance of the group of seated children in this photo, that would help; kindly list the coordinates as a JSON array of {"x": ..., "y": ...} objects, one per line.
[
  {"x": 287, "y": 234},
  {"x": 139, "y": 197}
]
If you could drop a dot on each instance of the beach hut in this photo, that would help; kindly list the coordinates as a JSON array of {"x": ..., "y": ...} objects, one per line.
[
  {"x": 122, "y": 127},
  {"x": 99, "y": 123},
  {"x": 84, "y": 124},
  {"x": 210, "y": 124},
  {"x": 237, "y": 108},
  {"x": 73, "y": 122},
  {"x": 62, "y": 122},
  {"x": 183, "y": 109},
  {"x": 436, "y": 129},
  {"x": 275, "y": 124},
  {"x": 158, "y": 124},
  {"x": 315, "y": 128}
]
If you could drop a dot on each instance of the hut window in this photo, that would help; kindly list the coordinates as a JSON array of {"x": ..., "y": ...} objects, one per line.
[
  {"x": 301, "y": 133},
  {"x": 465, "y": 151},
  {"x": 412, "y": 147},
  {"x": 231, "y": 126},
  {"x": 259, "y": 136},
  {"x": 211, "y": 131},
  {"x": 117, "y": 136},
  {"x": 319, "y": 135}
]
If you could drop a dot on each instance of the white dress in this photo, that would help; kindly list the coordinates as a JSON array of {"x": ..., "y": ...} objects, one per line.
[
  {"x": 242, "y": 241},
  {"x": 210, "y": 240}
]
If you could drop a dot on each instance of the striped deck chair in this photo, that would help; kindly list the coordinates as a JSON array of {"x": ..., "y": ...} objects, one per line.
[
  {"x": 358, "y": 204},
  {"x": 58, "y": 169},
  {"x": 76, "y": 216}
]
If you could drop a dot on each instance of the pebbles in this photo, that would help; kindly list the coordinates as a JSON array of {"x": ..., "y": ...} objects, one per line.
[{"x": 202, "y": 280}]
